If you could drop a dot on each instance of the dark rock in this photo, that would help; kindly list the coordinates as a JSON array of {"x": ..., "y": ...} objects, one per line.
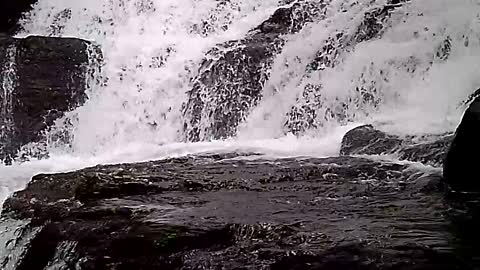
[
  {"x": 44, "y": 78},
  {"x": 232, "y": 76},
  {"x": 11, "y": 12},
  {"x": 211, "y": 213},
  {"x": 459, "y": 169},
  {"x": 366, "y": 140},
  {"x": 430, "y": 152}
]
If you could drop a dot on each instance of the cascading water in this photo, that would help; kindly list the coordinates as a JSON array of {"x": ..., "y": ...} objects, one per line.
[
  {"x": 409, "y": 73},
  {"x": 8, "y": 75},
  {"x": 403, "y": 78}
]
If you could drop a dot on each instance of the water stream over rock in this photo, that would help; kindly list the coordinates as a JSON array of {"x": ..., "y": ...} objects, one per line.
[{"x": 206, "y": 134}]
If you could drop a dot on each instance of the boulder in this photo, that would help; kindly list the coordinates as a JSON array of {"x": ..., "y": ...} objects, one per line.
[
  {"x": 11, "y": 12},
  {"x": 367, "y": 140},
  {"x": 459, "y": 169},
  {"x": 214, "y": 212},
  {"x": 42, "y": 78}
]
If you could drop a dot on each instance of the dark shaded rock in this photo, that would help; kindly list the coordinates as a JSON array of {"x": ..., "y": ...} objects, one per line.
[
  {"x": 459, "y": 169},
  {"x": 42, "y": 248},
  {"x": 44, "y": 78},
  {"x": 232, "y": 76},
  {"x": 366, "y": 140},
  {"x": 211, "y": 213},
  {"x": 11, "y": 12}
]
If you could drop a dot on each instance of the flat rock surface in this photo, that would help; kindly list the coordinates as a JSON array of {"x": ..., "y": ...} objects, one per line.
[{"x": 229, "y": 212}]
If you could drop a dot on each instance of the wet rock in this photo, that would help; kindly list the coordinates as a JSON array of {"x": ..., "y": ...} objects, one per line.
[
  {"x": 203, "y": 212},
  {"x": 460, "y": 170},
  {"x": 11, "y": 12},
  {"x": 431, "y": 151},
  {"x": 42, "y": 78},
  {"x": 366, "y": 140},
  {"x": 374, "y": 21},
  {"x": 232, "y": 76}
]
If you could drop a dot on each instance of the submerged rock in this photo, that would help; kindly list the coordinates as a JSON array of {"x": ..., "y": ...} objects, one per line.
[
  {"x": 41, "y": 78},
  {"x": 367, "y": 140},
  {"x": 11, "y": 12},
  {"x": 460, "y": 168},
  {"x": 213, "y": 212}
]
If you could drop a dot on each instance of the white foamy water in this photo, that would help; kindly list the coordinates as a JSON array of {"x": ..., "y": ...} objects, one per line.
[
  {"x": 416, "y": 92},
  {"x": 152, "y": 48}
]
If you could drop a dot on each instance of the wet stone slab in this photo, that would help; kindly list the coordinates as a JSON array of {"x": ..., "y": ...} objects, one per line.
[{"x": 228, "y": 212}]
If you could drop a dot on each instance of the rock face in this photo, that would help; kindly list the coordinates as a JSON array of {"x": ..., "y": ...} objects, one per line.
[
  {"x": 366, "y": 140},
  {"x": 460, "y": 170},
  {"x": 11, "y": 12},
  {"x": 215, "y": 212},
  {"x": 42, "y": 78}
]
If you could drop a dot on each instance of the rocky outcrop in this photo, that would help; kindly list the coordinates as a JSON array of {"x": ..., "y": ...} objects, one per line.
[
  {"x": 460, "y": 170},
  {"x": 232, "y": 75},
  {"x": 11, "y": 12},
  {"x": 366, "y": 140},
  {"x": 215, "y": 212},
  {"x": 42, "y": 78}
]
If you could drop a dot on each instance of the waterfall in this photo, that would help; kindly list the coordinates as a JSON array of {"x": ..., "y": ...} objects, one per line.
[
  {"x": 7, "y": 84},
  {"x": 406, "y": 66},
  {"x": 279, "y": 78}
]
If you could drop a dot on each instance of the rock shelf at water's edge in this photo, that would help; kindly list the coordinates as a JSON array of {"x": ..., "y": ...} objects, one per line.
[{"x": 222, "y": 212}]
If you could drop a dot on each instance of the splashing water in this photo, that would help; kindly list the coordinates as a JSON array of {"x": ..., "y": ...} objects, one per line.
[
  {"x": 8, "y": 73},
  {"x": 410, "y": 76},
  {"x": 401, "y": 80}
]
